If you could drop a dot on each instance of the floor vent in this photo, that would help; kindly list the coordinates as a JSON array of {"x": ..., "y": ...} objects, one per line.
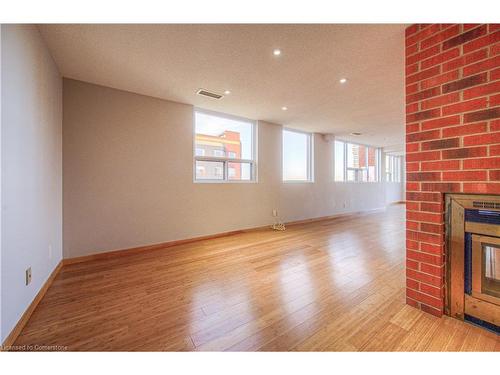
[
  {"x": 483, "y": 204},
  {"x": 209, "y": 94}
]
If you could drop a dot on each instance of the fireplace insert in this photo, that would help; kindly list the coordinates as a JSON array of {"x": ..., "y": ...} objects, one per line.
[{"x": 473, "y": 259}]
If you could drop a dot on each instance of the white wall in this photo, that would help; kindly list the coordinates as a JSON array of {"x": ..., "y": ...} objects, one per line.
[
  {"x": 31, "y": 158},
  {"x": 393, "y": 192},
  {"x": 128, "y": 177}
]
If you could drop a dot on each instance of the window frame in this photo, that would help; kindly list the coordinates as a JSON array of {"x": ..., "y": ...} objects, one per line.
[
  {"x": 378, "y": 162},
  {"x": 310, "y": 157},
  {"x": 224, "y": 159}
]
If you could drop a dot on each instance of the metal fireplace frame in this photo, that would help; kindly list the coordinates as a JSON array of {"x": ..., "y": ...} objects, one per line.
[{"x": 457, "y": 302}]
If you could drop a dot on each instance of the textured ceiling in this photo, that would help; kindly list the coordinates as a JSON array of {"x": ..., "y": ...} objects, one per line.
[{"x": 173, "y": 61}]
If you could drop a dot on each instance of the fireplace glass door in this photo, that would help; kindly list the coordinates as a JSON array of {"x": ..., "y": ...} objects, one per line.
[
  {"x": 485, "y": 278},
  {"x": 490, "y": 270}
]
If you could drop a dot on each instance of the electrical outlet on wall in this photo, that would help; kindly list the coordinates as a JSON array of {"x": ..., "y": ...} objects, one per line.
[
  {"x": 275, "y": 212},
  {"x": 28, "y": 276}
]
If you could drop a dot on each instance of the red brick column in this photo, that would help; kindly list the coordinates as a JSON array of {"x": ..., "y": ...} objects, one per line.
[{"x": 452, "y": 140}]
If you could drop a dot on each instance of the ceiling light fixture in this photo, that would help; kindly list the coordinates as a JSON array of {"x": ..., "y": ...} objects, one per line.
[
  {"x": 277, "y": 52},
  {"x": 343, "y": 80},
  {"x": 284, "y": 108},
  {"x": 356, "y": 134},
  {"x": 227, "y": 92}
]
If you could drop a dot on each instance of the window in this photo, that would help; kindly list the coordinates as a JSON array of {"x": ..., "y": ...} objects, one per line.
[
  {"x": 356, "y": 163},
  {"x": 339, "y": 158},
  {"x": 392, "y": 168},
  {"x": 200, "y": 170},
  {"x": 372, "y": 163},
  {"x": 209, "y": 170},
  {"x": 297, "y": 156},
  {"x": 224, "y": 148}
]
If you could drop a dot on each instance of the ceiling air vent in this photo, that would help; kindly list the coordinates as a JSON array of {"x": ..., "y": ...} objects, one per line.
[
  {"x": 209, "y": 94},
  {"x": 482, "y": 204}
]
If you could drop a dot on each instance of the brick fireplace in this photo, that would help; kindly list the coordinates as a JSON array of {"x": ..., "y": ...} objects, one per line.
[{"x": 452, "y": 140}]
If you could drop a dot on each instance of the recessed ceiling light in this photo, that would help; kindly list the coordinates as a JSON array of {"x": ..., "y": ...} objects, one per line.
[
  {"x": 227, "y": 92},
  {"x": 277, "y": 52},
  {"x": 284, "y": 108},
  {"x": 343, "y": 80},
  {"x": 356, "y": 133}
]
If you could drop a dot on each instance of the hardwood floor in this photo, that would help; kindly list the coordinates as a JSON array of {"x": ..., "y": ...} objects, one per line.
[{"x": 335, "y": 285}]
